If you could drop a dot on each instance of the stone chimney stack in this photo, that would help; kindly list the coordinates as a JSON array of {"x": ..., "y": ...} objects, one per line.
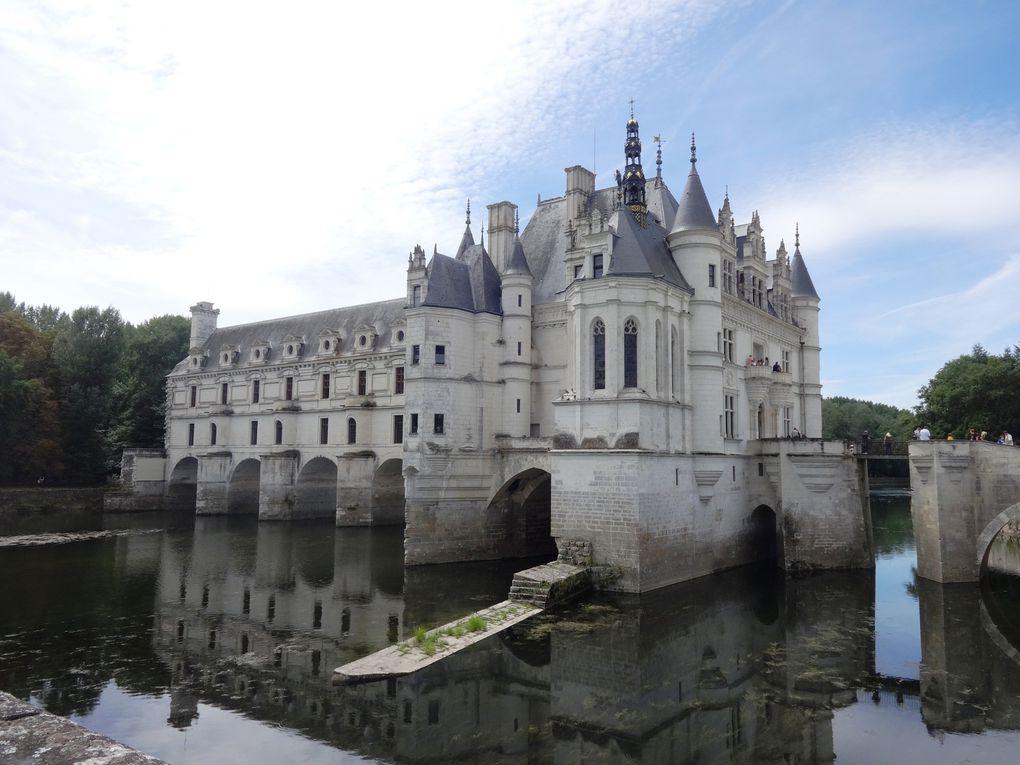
[
  {"x": 501, "y": 233},
  {"x": 580, "y": 185},
  {"x": 203, "y": 322}
]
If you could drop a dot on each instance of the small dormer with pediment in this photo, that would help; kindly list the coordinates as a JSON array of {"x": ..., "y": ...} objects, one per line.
[
  {"x": 364, "y": 338},
  {"x": 197, "y": 358},
  {"x": 260, "y": 351},
  {"x": 329, "y": 342},
  {"x": 229, "y": 354},
  {"x": 292, "y": 347},
  {"x": 398, "y": 332}
]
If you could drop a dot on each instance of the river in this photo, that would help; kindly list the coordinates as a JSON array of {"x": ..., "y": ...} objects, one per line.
[{"x": 213, "y": 640}]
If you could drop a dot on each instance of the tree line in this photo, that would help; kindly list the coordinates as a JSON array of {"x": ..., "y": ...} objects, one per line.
[{"x": 75, "y": 389}]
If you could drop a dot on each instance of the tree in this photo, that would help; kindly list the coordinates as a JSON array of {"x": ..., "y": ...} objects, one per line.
[
  {"x": 849, "y": 417},
  {"x": 86, "y": 351},
  {"x": 139, "y": 392},
  {"x": 976, "y": 390},
  {"x": 30, "y": 432}
]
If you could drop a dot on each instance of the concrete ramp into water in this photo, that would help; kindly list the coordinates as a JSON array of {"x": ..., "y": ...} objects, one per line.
[{"x": 532, "y": 591}]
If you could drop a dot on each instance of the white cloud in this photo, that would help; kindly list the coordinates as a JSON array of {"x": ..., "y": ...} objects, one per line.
[{"x": 244, "y": 154}]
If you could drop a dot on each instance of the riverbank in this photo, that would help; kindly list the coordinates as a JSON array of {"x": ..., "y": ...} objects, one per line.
[{"x": 28, "y": 500}]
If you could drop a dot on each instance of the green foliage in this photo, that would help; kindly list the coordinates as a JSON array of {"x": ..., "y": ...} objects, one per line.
[
  {"x": 139, "y": 389},
  {"x": 976, "y": 390},
  {"x": 86, "y": 351},
  {"x": 849, "y": 418}
]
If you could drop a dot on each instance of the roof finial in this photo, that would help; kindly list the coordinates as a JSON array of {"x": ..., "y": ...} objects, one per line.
[
  {"x": 517, "y": 221},
  {"x": 727, "y": 197},
  {"x": 796, "y": 241},
  {"x": 658, "y": 156},
  {"x": 694, "y": 151},
  {"x": 468, "y": 219},
  {"x": 632, "y": 108}
]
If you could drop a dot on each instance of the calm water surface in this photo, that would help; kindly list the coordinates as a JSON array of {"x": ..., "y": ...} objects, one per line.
[{"x": 212, "y": 640}]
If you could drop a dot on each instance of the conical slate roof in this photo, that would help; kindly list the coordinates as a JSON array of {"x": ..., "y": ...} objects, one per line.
[
  {"x": 694, "y": 211},
  {"x": 518, "y": 263},
  {"x": 802, "y": 285}
]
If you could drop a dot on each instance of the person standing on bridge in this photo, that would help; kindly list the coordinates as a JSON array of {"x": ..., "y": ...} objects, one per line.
[
  {"x": 924, "y": 434},
  {"x": 887, "y": 443},
  {"x": 865, "y": 442}
]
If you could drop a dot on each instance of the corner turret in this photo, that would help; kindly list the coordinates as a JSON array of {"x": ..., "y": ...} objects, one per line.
[
  {"x": 516, "y": 284},
  {"x": 203, "y": 322}
]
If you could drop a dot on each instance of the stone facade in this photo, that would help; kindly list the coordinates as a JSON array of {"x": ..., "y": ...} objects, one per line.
[{"x": 620, "y": 374}]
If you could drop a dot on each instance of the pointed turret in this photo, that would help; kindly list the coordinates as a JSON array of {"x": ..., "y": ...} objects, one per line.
[
  {"x": 800, "y": 279},
  {"x": 468, "y": 239},
  {"x": 694, "y": 211},
  {"x": 518, "y": 263}
]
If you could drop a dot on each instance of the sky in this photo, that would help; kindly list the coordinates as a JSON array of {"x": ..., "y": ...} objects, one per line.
[{"x": 284, "y": 158}]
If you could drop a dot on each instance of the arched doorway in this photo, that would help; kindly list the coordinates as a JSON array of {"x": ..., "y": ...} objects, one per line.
[
  {"x": 182, "y": 488},
  {"x": 519, "y": 515},
  {"x": 243, "y": 487},
  {"x": 388, "y": 494},
  {"x": 316, "y": 489},
  {"x": 763, "y": 543}
]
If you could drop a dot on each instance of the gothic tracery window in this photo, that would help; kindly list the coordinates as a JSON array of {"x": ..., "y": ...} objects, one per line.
[
  {"x": 599, "y": 354},
  {"x": 630, "y": 336}
]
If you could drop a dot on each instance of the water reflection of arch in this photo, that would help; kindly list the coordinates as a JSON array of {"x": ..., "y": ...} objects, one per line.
[
  {"x": 243, "y": 487},
  {"x": 991, "y": 530},
  {"x": 388, "y": 493},
  {"x": 182, "y": 488},
  {"x": 316, "y": 489},
  {"x": 521, "y": 511}
]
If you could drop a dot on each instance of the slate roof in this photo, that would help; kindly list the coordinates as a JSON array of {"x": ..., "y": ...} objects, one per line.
[
  {"x": 518, "y": 263},
  {"x": 801, "y": 284},
  {"x": 545, "y": 243},
  {"x": 693, "y": 211},
  {"x": 468, "y": 282},
  {"x": 381, "y": 316},
  {"x": 642, "y": 251}
]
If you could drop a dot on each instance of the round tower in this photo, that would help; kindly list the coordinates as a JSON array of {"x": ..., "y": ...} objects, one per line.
[
  {"x": 804, "y": 300},
  {"x": 516, "y": 283},
  {"x": 695, "y": 243}
]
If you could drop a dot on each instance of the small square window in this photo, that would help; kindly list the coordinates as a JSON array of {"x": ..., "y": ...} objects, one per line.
[
  {"x": 578, "y": 271},
  {"x": 440, "y": 354},
  {"x": 438, "y": 424}
]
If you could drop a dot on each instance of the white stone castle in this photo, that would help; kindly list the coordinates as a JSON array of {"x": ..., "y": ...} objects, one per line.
[{"x": 625, "y": 379}]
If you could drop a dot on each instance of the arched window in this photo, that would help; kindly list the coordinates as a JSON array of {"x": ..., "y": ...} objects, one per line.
[
  {"x": 279, "y": 432},
  {"x": 352, "y": 430},
  {"x": 630, "y": 354},
  {"x": 674, "y": 362},
  {"x": 598, "y": 337}
]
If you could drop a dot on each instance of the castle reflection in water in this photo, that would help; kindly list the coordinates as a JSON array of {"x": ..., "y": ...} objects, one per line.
[{"x": 744, "y": 667}]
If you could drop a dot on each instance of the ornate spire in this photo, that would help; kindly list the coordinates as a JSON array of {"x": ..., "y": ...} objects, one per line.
[
  {"x": 517, "y": 222},
  {"x": 633, "y": 176},
  {"x": 467, "y": 220},
  {"x": 694, "y": 151},
  {"x": 693, "y": 211},
  {"x": 658, "y": 160},
  {"x": 468, "y": 239},
  {"x": 796, "y": 241}
]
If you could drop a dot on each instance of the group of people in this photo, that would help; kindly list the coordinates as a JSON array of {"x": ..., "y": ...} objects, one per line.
[
  {"x": 753, "y": 362},
  {"x": 887, "y": 443},
  {"x": 1005, "y": 437}
]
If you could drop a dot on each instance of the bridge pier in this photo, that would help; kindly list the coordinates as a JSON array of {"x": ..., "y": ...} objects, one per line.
[
  {"x": 964, "y": 493},
  {"x": 213, "y": 478}
]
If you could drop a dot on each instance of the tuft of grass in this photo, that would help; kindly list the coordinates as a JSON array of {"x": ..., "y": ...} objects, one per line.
[{"x": 475, "y": 623}]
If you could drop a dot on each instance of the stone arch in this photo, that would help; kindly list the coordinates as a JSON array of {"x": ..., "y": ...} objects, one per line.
[
  {"x": 519, "y": 515},
  {"x": 315, "y": 489},
  {"x": 764, "y": 536},
  {"x": 182, "y": 487},
  {"x": 388, "y": 493},
  {"x": 988, "y": 534},
  {"x": 243, "y": 487}
]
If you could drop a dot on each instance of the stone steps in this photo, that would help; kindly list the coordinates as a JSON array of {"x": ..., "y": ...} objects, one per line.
[{"x": 550, "y": 583}]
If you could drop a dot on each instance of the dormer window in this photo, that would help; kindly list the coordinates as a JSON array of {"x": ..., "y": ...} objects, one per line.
[
  {"x": 292, "y": 346},
  {"x": 260, "y": 351},
  {"x": 329, "y": 342},
  {"x": 198, "y": 357},
  {"x": 365, "y": 336},
  {"x": 228, "y": 354}
]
